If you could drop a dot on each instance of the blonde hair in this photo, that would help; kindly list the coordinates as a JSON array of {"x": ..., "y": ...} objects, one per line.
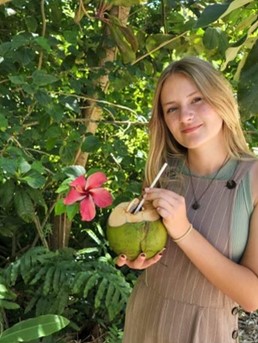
[{"x": 217, "y": 91}]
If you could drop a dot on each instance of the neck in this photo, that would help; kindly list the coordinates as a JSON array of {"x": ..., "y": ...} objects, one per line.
[{"x": 205, "y": 164}]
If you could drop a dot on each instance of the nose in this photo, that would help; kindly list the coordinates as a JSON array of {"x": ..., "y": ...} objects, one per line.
[{"x": 186, "y": 114}]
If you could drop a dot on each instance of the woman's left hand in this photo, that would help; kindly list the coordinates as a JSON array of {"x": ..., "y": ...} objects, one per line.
[
  {"x": 141, "y": 262},
  {"x": 171, "y": 207}
]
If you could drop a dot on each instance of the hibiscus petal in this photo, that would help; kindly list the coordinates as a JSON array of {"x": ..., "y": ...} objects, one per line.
[
  {"x": 95, "y": 180},
  {"x": 73, "y": 196},
  {"x": 79, "y": 183},
  {"x": 87, "y": 209},
  {"x": 101, "y": 197}
]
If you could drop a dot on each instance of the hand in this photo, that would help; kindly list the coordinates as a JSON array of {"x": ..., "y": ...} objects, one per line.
[
  {"x": 171, "y": 207},
  {"x": 140, "y": 262}
]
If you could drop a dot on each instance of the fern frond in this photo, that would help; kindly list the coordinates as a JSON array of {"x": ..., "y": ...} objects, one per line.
[
  {"x": 57, "y": 279},
  {"x": 25, "y": 266},
  {"x": 61, "y": 301},
  {"x": 110, "y": 292},
  {"x": 48, "y": 280},
  {"x": 42, "y": 304},
  {"x": 102, "y": 288},
  {"x": 38, "y": 274},
  {"x": 80, "y": 281},
  {"x": 32, "y": 302},
  {"x": 12, "y": 276},
  {"x": 114, "y": 335},
  {"x": 60, "y": 276},
  {"x": 91, "y": 282}
]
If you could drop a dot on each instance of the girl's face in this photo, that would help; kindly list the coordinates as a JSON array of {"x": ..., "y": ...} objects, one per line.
[{"x": 190, "y": 119}]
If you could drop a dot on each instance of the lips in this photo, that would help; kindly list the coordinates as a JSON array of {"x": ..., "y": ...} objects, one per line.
[{"x": 191, "y": 129}]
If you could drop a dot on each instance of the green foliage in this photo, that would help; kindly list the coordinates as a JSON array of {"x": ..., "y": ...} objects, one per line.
[
  {"x": 7, "y": 298},
  {"x": 58, "y": 282},
  {"x": 114, "y": 335},
  {"x": 248, "y": 84},
  {"x": 33, "y": 328}
]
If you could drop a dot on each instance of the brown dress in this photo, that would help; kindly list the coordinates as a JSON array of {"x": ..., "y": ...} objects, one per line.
[{"x": 172, "y": 301}]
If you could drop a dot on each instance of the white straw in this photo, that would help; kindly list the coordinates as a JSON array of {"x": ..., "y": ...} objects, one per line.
[{"x": 151, "y": 186}]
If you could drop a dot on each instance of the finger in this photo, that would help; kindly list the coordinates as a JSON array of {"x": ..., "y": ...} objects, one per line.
[
  {"x": 138, "y": 263},
  {"x": 158, "y": 190},
  {"x": 163, "y": 203},
  {"x": 159, "y": 193},
  {"x": 152, "y": 190},
  {"x": 149, "y": 262},
  {"x": 121, "y": 260}
]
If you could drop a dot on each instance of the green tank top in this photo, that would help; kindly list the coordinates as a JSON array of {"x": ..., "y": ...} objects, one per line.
[{"x": 241, "y": 217}]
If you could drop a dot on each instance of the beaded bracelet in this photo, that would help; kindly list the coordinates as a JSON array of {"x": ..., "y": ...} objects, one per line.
[{"x": 184, "y": 235}]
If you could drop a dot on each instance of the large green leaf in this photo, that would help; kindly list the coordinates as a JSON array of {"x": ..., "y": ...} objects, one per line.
[
  {"x": 34, "y": 328},
  {"x": 91, "y": 144},
  {"x": 72, "y": 210},
  {"x": 34, "y": 179},
  {"x": 9, "y": 305},
  {"x": 214, "y": 12},
  {"x": 42, "y": 78},
  {"x": 211, "y": 14},
  {"x": 3, "y": 291},
  {"x": 124, "y": 39},
  {"x": 211, "y": 38},
  {"x": 8, "y": 165},
  {"x": 236, "y": 4},
  {"x": 18, "y": 79},
  {"x": 248, "y": 84},
  {"x": 74, "y": 171},
  {"x": 23, "y": 166},
  {"x": 60, "y": 207},
  {"x": 24, "y": 205},
  {"x": 43, "y": 42},
  {"x": 7, "y": 190}
]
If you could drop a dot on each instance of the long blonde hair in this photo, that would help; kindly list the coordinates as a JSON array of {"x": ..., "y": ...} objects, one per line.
[{"x": 217, "y": 91}]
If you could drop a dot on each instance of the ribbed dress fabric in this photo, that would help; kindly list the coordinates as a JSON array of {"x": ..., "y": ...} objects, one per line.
[{"x": 172, "y": 301}]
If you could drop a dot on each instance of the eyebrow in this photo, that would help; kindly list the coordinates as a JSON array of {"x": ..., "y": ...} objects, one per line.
[
  {"x": 192, "y": 93},
  {"x": 188, "y": 96}
]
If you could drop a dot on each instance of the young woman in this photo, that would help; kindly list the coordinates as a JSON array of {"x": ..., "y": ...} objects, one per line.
[{"x": 191, "y": 292}]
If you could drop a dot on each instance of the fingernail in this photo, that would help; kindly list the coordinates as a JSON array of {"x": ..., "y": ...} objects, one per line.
[{"x": 161, "y": 253}]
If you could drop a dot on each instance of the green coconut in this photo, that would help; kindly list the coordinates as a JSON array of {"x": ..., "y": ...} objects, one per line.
[{"x": 132, "y": 234}]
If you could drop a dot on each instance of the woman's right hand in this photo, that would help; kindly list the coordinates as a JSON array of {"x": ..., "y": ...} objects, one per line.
[{"x": 140, "y": 262}]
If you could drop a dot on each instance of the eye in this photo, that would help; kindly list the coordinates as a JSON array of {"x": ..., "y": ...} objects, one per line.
[
  {"x": 171, "y": 110},
  {"x": 197, "y": 99}
]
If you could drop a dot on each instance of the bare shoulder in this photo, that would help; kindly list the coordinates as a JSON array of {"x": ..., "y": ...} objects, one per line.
[{"x": 254, "y": 182}]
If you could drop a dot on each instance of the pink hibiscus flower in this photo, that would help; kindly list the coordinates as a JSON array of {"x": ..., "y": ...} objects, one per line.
[{"x": 88, "y": 192}]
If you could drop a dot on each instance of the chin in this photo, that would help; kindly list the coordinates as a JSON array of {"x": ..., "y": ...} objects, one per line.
[{"x": 192, "y": 145}]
